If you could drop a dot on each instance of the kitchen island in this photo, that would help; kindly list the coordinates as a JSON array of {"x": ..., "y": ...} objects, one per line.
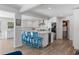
[{"x": 45, "y": 36}]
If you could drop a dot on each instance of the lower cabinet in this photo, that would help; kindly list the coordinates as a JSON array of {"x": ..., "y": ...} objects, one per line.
[{"x": 45, "y": 39}]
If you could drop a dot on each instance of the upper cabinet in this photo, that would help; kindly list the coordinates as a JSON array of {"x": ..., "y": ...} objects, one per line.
[
  {"x": 35, "y": 23},
  {"x": 30, "y": 23},
  {"x": 26, "y": 23}
]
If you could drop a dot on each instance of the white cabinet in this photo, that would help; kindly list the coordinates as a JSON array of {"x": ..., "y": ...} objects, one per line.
[
  {"x": 45, "y": 38},
  {"x": 35, "y": 23},
  {"x": 30, "y": 23},
  {"x": 26, "y": 23},
  {"x": 52, "y": 37}
]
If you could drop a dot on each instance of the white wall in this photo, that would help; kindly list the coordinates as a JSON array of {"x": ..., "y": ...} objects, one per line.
[
  {"x": 4, "y": 18},
  {"x": 75, "y": 28},
  {"x": 59, "y": 28},
  {"x": 17, "y": 32},
  {"x": 4, "y": 27},
  {"x": 70, "y": 26}
]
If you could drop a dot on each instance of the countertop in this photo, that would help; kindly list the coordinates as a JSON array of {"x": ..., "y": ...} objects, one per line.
[{"x": 43, "y": 31}]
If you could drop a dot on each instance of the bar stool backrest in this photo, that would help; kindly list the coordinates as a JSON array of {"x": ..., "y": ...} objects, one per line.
[{"x": 35, "y": 34}]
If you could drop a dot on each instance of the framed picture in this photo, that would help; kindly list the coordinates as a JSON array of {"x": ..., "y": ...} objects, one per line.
[
  {"x": 10, "y": 24},
  {"x": 18, "y": 22}
]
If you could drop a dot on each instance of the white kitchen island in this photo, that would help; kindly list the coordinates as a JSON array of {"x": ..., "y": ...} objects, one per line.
[
  {"x": 42, "y": 34},
  {"x": 45, "y": 36}
]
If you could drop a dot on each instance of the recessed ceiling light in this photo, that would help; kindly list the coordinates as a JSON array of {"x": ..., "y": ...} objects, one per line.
[{"x": 49, "y": 8}]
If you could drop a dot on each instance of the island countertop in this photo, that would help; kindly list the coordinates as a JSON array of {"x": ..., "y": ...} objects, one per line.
[{"x": 43, "y": 31}]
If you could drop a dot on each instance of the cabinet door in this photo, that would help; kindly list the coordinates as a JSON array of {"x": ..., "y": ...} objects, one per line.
[
  {"x": 27, "y": 24},
  {"x": 35, "y": 23}
]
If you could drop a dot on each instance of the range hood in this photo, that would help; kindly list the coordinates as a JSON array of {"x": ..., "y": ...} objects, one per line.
[{"x": 42, "y": 23}]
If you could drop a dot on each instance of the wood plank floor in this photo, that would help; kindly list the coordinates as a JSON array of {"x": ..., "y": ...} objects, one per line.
[{"x": 58, "y": 47}]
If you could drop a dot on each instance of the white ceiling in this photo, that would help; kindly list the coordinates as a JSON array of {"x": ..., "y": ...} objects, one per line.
[{"x": 41, "y": 10}]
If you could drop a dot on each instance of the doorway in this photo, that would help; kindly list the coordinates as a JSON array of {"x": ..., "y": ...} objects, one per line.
[
  {"x": 65, "y": 29},
  {"x": 52, "y": 35}
]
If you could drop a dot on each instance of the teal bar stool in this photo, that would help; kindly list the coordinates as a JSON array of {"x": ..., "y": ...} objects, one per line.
[
  {"x": 37, "y": 40},
  {"x": 24, "y": 37},
  {"x": 40, "y": 43},
  {"x": 29, "y": 38}
]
